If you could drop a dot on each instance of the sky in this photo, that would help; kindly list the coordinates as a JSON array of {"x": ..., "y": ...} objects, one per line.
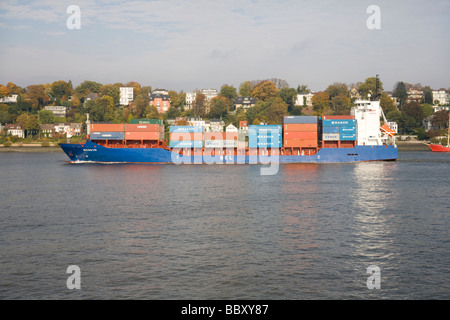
[{"x": 196, "y": 44}]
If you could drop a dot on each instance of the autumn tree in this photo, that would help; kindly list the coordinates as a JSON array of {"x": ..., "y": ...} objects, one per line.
[
  {"x": 61, "y": 90},
  {"x": 370, "y": 87},
  {"x": 199, "y": 105},
  {"x": 111, "y": 90},
  {"x": 37, "y": 96},
  {"x": 265, "y": 90},
  {"x": 321, "y": 103},
  {"x": 13, "y": 88},
  {"x": 245, "y": 89},
  {"x": 440, "y": 119},
  {"x": 341, "y": 104},
  {"x": 414, "y": 110},
  {"x": 337, "y": 89},
  {"x": 219, "y": 107},
  {"x": 136, "y": 87},
  {"x": 4, "y": 91},
  {"x": 386, "y": 103}
]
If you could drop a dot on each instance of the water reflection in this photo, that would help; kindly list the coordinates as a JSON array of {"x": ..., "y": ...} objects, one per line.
[{"x": 373, "y": 225}]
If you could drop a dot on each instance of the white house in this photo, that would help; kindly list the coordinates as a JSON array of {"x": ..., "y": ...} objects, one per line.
[
  {"x": 231, "y": 128},
  {"x": 301, "y": 99},
  {"x": 441, "y": 95},
  {"x": 58, "y": 111},
  {"x": 15, "y": 130},
  {"x": 126, "y": 95},
  {"x": 10, "y": 99}
]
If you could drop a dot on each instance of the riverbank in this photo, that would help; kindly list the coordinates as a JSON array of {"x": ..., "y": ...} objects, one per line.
[
  {"x": 32, "y": 147},
  {"x": 412, "y": 146}
]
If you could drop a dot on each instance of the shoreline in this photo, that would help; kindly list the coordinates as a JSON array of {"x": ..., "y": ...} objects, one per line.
[{"x": 30, "y": 148}]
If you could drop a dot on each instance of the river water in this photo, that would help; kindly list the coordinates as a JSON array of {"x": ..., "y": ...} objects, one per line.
[{"x": 162, "y": 232}]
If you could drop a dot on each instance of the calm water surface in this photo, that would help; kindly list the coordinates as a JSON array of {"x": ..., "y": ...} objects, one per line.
[{"x": 224, "y": 232}]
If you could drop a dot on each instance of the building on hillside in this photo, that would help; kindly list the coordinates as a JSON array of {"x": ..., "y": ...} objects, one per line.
[
  {"x": 244, "y": 102},
  {"x": 9, "y": 99},
  {"x": 160, "y": 101},
  {"x": 76, "y": 129},
  {"x": 47, "y": 130},
  {"x": 304, "y": 98},
  {"x": 126, "y": 96},
  {"x": 58, "y": 111},
  {"x": 441, "y": 97},
  {"x": 209, "y": 95},
  {"x": 415, "y": 95},
  {"x": 15, "y": 130},
  {"x": 231, "y": 128},
  {"x": 160, "y": 91}
]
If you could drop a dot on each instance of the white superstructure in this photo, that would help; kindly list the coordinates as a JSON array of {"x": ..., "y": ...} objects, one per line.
[{"x": 368, "y": 114}]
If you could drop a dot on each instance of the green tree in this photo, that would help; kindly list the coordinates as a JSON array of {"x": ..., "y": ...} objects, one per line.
[
  {"x": 369, "y": 87},
  {"x": 427, "y": 110},
  {"x": 265, "y": 90},
  {"x": 46, "y": 117},
  {"x": 229, "y": 92},
  {"x": 289, "y": 96},
  {"x": 275, "y": 109},
  {"x": 303, "y": 89},
  {"x": 321, "y": 103},
  {"x": 4, "y": 114},
  {"x": 428, "y": 95},
  {"x": 400, "y": 92},
  {"x": 32, "y": 124},
  {"x": 199, "y": 105},
  {"x": 245, "y": 89},
  {"x": 87, "y": 87}
]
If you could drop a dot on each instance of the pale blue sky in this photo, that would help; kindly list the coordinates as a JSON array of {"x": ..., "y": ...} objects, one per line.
[{"x": 184, "y": 44}]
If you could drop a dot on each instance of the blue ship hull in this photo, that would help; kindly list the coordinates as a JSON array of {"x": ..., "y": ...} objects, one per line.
[{"x": 92, "y": 153}]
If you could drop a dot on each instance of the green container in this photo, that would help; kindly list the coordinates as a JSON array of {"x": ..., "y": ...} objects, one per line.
[{"x": 146, "y": 121}]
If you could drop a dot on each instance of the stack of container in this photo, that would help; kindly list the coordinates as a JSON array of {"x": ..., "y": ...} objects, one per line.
[
  {"x": 221, "y": 139},
  {"x": 339, "y": 128},
  {"x": 107, "y": 131},
  {"x": 300, "y": 132},
  {"x": 264, "y": 136},
  {"x": 186, "y": 137},
  {"x": 144, "y": 132}
]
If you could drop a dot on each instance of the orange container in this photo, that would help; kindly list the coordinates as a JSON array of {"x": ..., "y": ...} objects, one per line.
[
  {"x": 221, "y": 135},
  {"x": 186, "y": 136},
  {"x": 300, "y": 127},
  {"x": 300, "y": 143},
  {"x": 142, "y": 127},
  {"x": 107, "y": 127},
  {"x": 300, "y": 135},
  {"x": 142, "y": 135}
]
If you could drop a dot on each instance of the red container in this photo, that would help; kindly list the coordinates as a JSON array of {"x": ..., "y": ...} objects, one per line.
[
  {"x": 347, "y": 117},
  {"x": 142, "y": 135},
  {"x": 142, "y": 127},
  {"x": 300, "y": 127},
  {"x": 107, "y": 127},
  {"x": 300, "y": 135},
  {"x": 300, "y": 143},
  {"x": 186, "y": 136}
]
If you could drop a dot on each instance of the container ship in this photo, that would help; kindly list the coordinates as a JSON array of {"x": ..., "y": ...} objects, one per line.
[{"x": 299, "y": 139}]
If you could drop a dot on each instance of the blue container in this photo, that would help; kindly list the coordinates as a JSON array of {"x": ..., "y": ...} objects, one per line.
[
  {"x": 186, "y": 144},
  {"x": 270, "y": 129},
  {"x": 348, "y": 137},
  {"x": 330, "y": 129},
  {"x": 300, "y": 119},
  {"x": 339, "y": 123},
  {"x": 190, "y": 129},
  {"x": 264, "y": 144},
  {"x": 347, "y": 130},
  {"x": 107, "y": 136}
]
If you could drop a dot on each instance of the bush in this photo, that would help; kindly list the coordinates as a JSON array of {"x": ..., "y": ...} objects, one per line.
[
  {"x": 7, "y": 144},
  {"x": 45, "y": 144}
]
